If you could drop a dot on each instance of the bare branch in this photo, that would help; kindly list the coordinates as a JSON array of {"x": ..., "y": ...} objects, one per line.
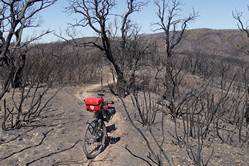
[
  {"x": 237, "y": 16},
  {"x": 172, "y": 26}
]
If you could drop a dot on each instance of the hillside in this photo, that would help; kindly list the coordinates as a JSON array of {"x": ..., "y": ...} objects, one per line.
[
  {"x": 55, "y": 138},
  {"x": 209, "y": 41},
  {"x": 232, "y": 43},
  {"x": 203, "y": 121}
]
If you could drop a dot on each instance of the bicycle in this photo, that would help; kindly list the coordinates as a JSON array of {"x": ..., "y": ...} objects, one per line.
[{"x": 94, "y": 136}]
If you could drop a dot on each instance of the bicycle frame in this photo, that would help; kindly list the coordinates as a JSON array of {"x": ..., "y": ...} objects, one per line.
[{"x": 95, "y": 131}]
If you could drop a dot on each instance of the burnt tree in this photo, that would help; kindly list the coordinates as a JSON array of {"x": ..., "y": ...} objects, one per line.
[
  {"x": 173, "y": 28},
  {"x": 96, "y": 15},
  {"x": 15, "y": 17}
]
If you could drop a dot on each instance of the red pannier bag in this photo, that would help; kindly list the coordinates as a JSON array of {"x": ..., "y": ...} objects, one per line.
[{"x": 93, "y": 104}]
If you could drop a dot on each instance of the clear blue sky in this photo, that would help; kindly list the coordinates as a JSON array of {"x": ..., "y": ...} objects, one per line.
[{"x": 214, "y": 14}]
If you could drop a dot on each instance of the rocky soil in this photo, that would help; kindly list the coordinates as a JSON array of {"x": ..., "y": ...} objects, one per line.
[{"x": 55, "y": 138}]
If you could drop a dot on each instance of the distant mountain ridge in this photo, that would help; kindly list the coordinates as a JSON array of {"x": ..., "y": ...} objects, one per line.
[{"x": 208, "y": 41}]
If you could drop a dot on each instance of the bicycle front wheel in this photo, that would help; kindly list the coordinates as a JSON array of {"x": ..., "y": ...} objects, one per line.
[{"x": 94, "y": 138}]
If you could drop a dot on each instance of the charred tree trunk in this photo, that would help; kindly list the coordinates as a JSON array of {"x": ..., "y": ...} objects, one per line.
[
  {"x": 15, "y": 72},
  {"x": 121, "y": 83},
  {"x": 17, "y": 79}
]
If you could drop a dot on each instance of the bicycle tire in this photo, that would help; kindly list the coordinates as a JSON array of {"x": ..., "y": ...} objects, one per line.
[{"x": 94, "y": 134}]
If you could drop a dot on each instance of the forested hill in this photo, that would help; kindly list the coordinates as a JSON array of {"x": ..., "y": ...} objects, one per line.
[
  {"x": 213, "y": 42},
  {"x": 232, "y": 43}
]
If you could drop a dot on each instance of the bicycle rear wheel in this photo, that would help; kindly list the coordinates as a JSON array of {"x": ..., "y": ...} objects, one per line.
[{"x": 94, "y": 138}]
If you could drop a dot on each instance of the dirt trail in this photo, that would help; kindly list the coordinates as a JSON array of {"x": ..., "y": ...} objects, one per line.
[{"x": 55, "y": 138}]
